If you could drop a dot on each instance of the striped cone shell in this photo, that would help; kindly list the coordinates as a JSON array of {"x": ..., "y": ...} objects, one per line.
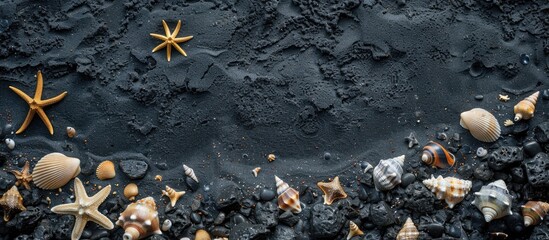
[
  {"x": 493, "y": 200},
  {"x": 482, "y": 124},
  {"x": 450, "y": 189},
  {"x": 436, "y": 155},
  {"x": 190, "y": 172},
  {"x": 55, "y": 170},
  {"x": 525, "y": 108},
  {"x": 534, "y": 211},
  {"x": 388, "y": 173},
  {"x": 408, "y": 231},
  {"x": 354, "y": 230},
  {"x": 288, "y": 198}
]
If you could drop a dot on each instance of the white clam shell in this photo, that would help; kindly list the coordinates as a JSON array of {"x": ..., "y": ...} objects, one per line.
[
  {"x": 55, "y": 170},
  {"x": 482, "y": 124}
]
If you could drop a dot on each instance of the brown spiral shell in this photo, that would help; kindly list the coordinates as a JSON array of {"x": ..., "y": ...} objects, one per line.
[
  {"x": 525, "y": 108},
  {"x": 534, "y": 211},
  {"x": 408, "y": 231},
  {"x": 140, "y": 219},
  {"x": 436, "y": 155},
  {"x": 288, "y": 198}
]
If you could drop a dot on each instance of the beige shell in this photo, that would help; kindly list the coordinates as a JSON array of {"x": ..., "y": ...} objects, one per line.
[
  {"x": 55, "y": 170},
  {"x": 408, "y": 231},
  {"x": 105, "y": 170},
  {"x": 525, "y": 108},
  {"x": 11, "y": 200},
  {"x": 482, "y": 124},
  {"x": 354, "y": 230},
  {"x": 493, "y": 200},
  {"x": 450, "y": 189},
  {"x": 288, "y": 198},
  {"x": 202, "y": 235},
  {"x": 71, "y": 132},
  {"x": 140, "y": 220},
  {"x": 189, "y": 172},
  {"x": 534, "y": 211},
  {"x": 130, "y": 191}
]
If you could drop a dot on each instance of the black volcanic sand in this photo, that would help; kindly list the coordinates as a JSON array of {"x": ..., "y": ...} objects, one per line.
[{"x": 324, "y": 85}]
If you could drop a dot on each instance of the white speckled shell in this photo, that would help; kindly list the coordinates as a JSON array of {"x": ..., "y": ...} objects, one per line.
[
  {"x": 493, "y": 200},
  {"x": 482, "y": 124},
  {"x": 450, "y": 189},
  {"x": 55, "y": 170},
  {"x": 408, "y": 231},
  {"x": 140, "y": 219},
  {"x": 388, "y": 173}
]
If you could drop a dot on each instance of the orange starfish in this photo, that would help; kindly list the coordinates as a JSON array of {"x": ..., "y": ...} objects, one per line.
[
  {"x": 36, "y": 104},
  {"x": 23, "y": 176},
  {"x": 171, "y": 40},
  {"x": 332, "y": 190}
]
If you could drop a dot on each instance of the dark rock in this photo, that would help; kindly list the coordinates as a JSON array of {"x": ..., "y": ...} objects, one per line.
[
  {"x": 369, "y": 194},
  {"x": 288, "y": 218},
  {"x": 465, "y": 171},
  {"x": 407, "y": 179},
  {"x": 545, "y": 94},
  {"x": 196, "y": 218},
  {"x": 435, "y": 230},
  {"x": 479, "y": 97},
  {"x": 453, "y": 231},
  {"x": 31, "y": 198},
  {"x": 381, "y": 214},
  {"x": 247, "y": 231},
  {"x": 6, "y": 180},
  {"x": 419, "y": 198},
  {"x": 27, "y": 220},
  {"x": 86, "y": 234},
  {"x": 43, "y": 231},
  {"x": 3, "y": 157},
  {"x": 63, "y": 227},
  {"x": 134, "y": 169},
  {"x": 483, "y": 172},
  {"x": 537, "y": 170},
  {"x": 267, "y": 194},
  {"x": 238, "y": 219},
  {"x": 101, "y": 233},
  {"x": 226, "y": 194},
  {"x": 520, "y": 128},
  {"x": 372, "y": 235},
  {"x": 283, "y": 233},
  {"x": 518, "y": 175},
  {"x": 162, "y": 165},
  {"x": 266, "y": 214},
  {"x": 541, "y": 133},
  {"x": 196, "y": 203},
  {"x": 326, "y": 221},
  {"x": 531, "y": 148},
  {"x": 540, "y": 232},
  {"x": 220, "y": 231},
  {"x": 193, "y": 185},
  {"x": 219, "y": 219},
  {"x": 504, "y": 157},
  {"x": 180, "y": 220},
  {"x": 514, "y": 222}
]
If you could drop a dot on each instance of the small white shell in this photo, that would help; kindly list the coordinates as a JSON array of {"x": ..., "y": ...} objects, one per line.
[
  {"x": 166, "y": 225},
  {"x": 10, "y": 143},
  {"x": 55, "y": 170},
  {"x": 189, "y": 172},
  {"x": 482, "y": 124},
  {"x": 388, "y": 173}
]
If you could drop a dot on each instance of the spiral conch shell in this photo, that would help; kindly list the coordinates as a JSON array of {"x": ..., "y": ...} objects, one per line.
[
  {"x": 534, "y": 211},
  {"x": 436, "y": 155},
  {"x": 105, "y": 170},
  {"x": 408, "y": 231},
  {"x": 140, "y": 219},
  {"x": 482, "y": 124},
  {"x": 55, "y": 170},
  {"x": 354, "y": 230},
  {"x": 525, "y": 108},
  {"x": 387, "y": 174},
  {"x": 190, "y": 172},
  {"x": 493, "y": 200},
  {"x": 288, "y": 198},
  {"x": 450, "y": 189}
]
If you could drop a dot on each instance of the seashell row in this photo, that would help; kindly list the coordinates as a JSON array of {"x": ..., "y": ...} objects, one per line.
[
  {"x": 11, "y": 200},
  {"x": 436, "y": 155},
  {"x": 482, "y": 124},
  {"x": 388, "y": 173},
  {"x": 190, "y": 172},
  {"x": 105, "y": 170},
  {"x": 139, "y": 220},
  {"x": 288, "y": 198},
  {"x": 534, "y": 211},
  {"x": 354, "y": 230},
  {"x": 172, "y": 194},
  {"x": 450, "y": 189},
  {"x": 525, "y": 108},
  {"x": 130, "y": 191},
  {"x": 408, "y": 231},
  {"x": 55, "y": 170},
  {"x": 493, "y": 200}
]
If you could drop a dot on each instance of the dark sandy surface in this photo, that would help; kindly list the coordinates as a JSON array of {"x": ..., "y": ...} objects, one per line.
[{"x": 324, "y": 85}]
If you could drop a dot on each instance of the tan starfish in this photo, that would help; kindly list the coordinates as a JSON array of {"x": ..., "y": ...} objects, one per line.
[
  {"x": 332, "y": 190},
  {"x": 171, "y": 40},
  {"x": 23, "y": 177},
  {"x": 11, "y": 200},
  {"x": 36, "y": 104},
  {"x": 84, "y": 209}
]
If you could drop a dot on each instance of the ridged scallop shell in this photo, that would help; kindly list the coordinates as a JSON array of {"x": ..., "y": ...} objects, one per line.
[
  {"x": 105, "y": 170},
  {"x": 55, "y": 170},
  {"x": 436, "y": 155},
  {"x": 140, "y": 219},
  {"x": 189, "y": 172},
  {"x": 388, "y": 172},
  {"x": 408, "y": 231},
  {"x": 482, "y": 124},
  {"x": 493, "y": 200},
  {"x": 525, "y": 108},
  {"x": 288, "y": 198},
  {"x": 130, "y": 191},
  {"x": 534, "y": 211},
  {"x": 354, "y": 230},
  {"x": 450, "y": 189}
]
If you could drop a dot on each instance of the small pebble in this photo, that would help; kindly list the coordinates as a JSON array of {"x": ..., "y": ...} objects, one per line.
[
  {"x": 407, "y": 178},
  {"x": 479, "y": 97},
  {"x": 196, "y": 218},
  {"x": 545, "y": 94},
  {"x": 327, "y": 156},
  {"x": 442, "y": 136},
  {"x": 10, "y": 143},
  {"x": 524, "y": 59},
  {"x": 482, "y": 152},
  {"x": 454, "y": 231},
  {"x": 435, "y": 230},
  {"x": 219, "y": 219},
  {"x": 267, "y": 194},
  {"x": 531, "y": 148},
  {"x": 166, "y": 225}
]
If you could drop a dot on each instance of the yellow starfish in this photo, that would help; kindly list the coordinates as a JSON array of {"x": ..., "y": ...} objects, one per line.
[
  {"x": 23, "y": 176},
  {"x": 84, "y": 209},
  {"x": 171, "y": 40},
  {"x": 332, "y": 190},
  {"x": 36, "y": 104}
]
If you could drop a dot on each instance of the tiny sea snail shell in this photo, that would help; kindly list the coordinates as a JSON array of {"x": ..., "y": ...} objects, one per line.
[
  {"x": 436, "y": 155},
  {"x": 525, "y": 108},
  {"x": 481, "y": 123}
]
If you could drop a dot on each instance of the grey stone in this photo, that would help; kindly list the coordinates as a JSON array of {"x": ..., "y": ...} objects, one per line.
[{"x": 134, "y": 169}]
